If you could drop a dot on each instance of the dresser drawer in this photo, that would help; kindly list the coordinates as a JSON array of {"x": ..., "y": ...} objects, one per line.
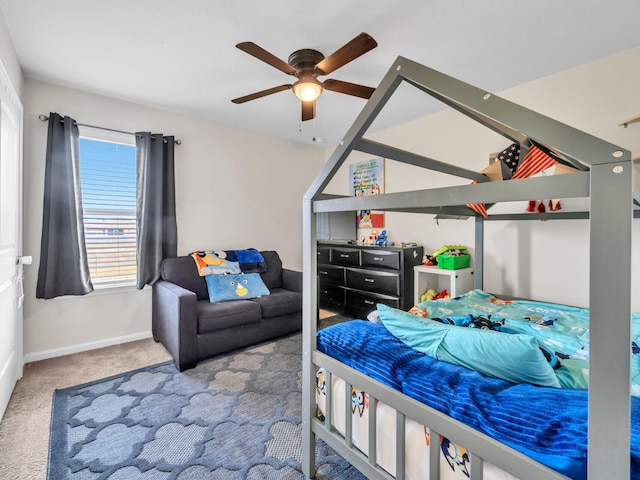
[
  {"x": 380, "y": 259},
  {"x": 330, "y": 296},
  {"x": 331, "y": 274},
  {"x": 324, "y": 255},
  {"x": 345, "y": 256},
  {"x": 365, "y": 302},
  {"x": 373, "y": 281}
]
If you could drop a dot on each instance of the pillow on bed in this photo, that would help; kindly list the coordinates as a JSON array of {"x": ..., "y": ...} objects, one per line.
[
  {"x": 235, "y": 287},
  {"x": 516, "y": 358}
]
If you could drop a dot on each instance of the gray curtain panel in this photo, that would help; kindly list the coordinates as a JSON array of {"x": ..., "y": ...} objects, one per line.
[
  {"x": 156, "y": 205},
  {"x": 63, "y": 269}
]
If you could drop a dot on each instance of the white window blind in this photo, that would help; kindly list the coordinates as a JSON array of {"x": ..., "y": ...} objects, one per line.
[{"x": 108, "y": 177}]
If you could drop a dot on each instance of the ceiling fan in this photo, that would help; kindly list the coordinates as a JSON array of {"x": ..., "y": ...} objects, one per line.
[{"x": 306, "y": 65}]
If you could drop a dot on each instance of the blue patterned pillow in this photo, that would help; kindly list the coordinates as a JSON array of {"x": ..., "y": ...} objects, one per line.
[{"x": 235, "y": 287}]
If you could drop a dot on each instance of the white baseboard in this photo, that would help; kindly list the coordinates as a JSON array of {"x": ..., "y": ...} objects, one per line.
[{"x": 83, "y": 347}]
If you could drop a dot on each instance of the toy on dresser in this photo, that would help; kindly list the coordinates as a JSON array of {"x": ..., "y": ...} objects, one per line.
[{"x": 382, "y": 238}]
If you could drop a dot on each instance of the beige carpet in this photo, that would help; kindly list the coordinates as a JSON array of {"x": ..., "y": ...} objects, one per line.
[{"x": 24, "y": 429}]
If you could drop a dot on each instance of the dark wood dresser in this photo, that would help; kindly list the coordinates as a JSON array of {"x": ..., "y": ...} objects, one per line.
[{"x": 354, "y": 278}]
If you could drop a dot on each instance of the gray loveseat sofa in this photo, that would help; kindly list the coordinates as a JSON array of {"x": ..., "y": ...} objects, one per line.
[{"x": 192, "y": 328}]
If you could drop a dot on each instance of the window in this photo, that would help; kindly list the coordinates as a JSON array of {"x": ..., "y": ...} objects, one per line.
[{"x": 108, "y": 178}]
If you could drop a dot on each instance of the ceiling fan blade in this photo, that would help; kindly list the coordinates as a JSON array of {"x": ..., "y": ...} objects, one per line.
[
  {"x": 348, "y": 88},
  {"x": 308, "y": 110},
  {"x": 261, "y": 54},
  {"x": 262, "y": 93},
  {"x": 350, "y": 51}
]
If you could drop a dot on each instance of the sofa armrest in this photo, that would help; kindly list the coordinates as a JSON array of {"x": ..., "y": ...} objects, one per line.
[
  {"x": 292, "y": 280},
  {"x": 174, "y": 321}
]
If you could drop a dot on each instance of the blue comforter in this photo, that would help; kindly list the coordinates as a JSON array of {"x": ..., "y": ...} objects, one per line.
[{"x": 547, "y": 424}]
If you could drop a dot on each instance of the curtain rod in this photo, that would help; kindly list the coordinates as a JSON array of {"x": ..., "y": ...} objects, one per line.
[{"x": 44, "y": 118}]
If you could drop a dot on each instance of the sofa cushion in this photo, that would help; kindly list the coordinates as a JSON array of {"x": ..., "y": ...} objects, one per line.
[
  {"x": 272, "y": 278},
  {"x": 183, "y": 272},
  {"x": 280, "y": 302},
  {"x": 221, "y": 315}
]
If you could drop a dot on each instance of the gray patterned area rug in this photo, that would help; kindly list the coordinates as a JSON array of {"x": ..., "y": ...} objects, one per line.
[{"x": 236, "y": 416}]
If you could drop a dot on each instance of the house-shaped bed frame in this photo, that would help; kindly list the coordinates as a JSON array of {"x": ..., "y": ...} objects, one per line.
[{"x": 605, "y": 177}]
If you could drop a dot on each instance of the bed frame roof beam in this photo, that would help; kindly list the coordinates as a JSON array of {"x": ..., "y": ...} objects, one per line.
[
  {"x": 367, "y": 115},
  {"x": 386, "y": 151},
  {"x": 511, "y": 120},
  {"x": 511, "y": 134},
  {"x": 453, "y": 212},
  {"x": 545, "y": 216},
  {"x": 555, "y": 186}
]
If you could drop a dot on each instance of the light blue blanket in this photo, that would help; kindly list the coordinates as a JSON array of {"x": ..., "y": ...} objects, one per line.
[{"x": 562, "y": 329}]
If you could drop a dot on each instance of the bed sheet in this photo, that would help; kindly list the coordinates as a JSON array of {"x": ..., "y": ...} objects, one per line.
[{"x": 553, "y": 430}]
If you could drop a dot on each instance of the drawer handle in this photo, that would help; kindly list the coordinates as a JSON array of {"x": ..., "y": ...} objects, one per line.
[
  {"x": 378, "y": 259},
  {"x": 368, "y": 302},
  {"x": 370, "y": 280},
  {"x": 324, "y": 291},
  {"x": 323, "y": 272},
  {"x": 344, "y": 255}
]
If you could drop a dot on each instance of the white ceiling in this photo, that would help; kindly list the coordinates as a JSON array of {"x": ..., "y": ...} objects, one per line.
[{"x": 180, "y": 55}]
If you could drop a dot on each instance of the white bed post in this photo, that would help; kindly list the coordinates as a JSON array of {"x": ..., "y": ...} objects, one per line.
[{"x": 610, "y": 318}]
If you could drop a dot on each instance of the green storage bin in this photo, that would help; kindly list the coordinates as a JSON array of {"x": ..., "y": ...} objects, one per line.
[{"x": 453, "y": 262}]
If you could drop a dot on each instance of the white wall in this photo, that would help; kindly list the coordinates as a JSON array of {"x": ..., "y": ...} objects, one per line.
[
  {"x": 9, "y": 59},
  {"x": 542, "y": 260},
  {"x": 234, "y": 189},
  {"x": 239, "y": 189}
]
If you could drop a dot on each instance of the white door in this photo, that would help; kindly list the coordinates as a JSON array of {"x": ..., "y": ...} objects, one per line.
[{"x": 11, "y": 360}]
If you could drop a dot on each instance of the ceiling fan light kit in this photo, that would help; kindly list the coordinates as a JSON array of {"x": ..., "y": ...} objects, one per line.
[
  {"x": 307, "y": 90},
  {"x": 306, "y": 64}
]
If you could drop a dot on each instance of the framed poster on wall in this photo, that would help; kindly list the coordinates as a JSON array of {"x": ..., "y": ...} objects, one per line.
[{"x": 367, "y": 178}]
